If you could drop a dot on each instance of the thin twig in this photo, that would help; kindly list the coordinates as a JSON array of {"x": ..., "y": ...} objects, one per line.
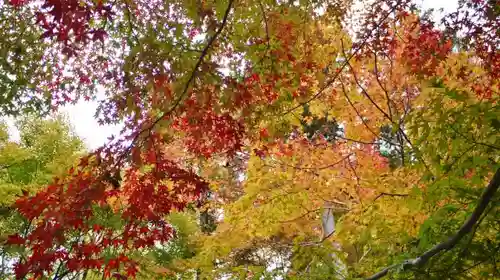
[
  {"x": 268, "y": 39},
  {"x": 390, "y": 194},
  {"x": 339, "y": 70},
  {"x": 356, "y": 80},
  {"x": 382, "y": 86},
  {"x": 190, "y": 80},
  {"x": 472, "y": 139},
  {"x": 357, "y": 111},
  {"x": 364, "y": 255},
  {"x": 301, "y": 216},
  {"x": 400, "y": 129},
  {"x": 317, "y": 168}
]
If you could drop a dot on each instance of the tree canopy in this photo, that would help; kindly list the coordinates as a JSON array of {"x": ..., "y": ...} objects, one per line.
[
  {"x": 262, "y": 139},
  {"x": 45, "y": 148}
]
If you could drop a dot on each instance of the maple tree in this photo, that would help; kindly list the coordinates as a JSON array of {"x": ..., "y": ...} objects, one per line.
[{"x": 276, "y": 114}]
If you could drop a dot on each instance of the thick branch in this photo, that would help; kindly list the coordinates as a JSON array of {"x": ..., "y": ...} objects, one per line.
[{"x": 452, "y": 241}]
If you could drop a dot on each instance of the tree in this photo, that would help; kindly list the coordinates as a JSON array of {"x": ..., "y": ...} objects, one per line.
[
  {"x": 34, "y": 78},
  {"x": 224, "y": 97},
  {"x": 262, "y": 211},
  {"x": 46, "y": 148}
]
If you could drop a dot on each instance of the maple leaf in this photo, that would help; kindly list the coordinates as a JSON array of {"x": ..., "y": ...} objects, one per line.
[
  {"x": 17, "y": 3},
  {"x": 264, "y": 133},
  {"x": 15, "y": 240},
  {"x": 98, "y": 35}
]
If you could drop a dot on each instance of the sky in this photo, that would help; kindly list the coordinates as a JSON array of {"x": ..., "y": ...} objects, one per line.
[
  {"x": 81, "y": 116},
  {"x": 94, "y": 135}
]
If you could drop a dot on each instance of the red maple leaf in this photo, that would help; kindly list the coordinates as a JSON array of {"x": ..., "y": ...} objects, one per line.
[
  {"x": 15, "y": 239},
  {"x": 17, "y": 3},
  {"x": 99, "y": 34}
]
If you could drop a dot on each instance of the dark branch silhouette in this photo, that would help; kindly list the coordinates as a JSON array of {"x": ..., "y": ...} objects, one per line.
[{"x": 449, "y": 244}]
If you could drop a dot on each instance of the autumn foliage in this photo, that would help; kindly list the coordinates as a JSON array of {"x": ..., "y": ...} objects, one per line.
[
  {"x": 239, "y": 92},
  {"x": 70, "y": 205}
]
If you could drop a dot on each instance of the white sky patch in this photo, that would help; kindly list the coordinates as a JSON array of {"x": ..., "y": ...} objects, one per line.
[
  {"x": 11, "y": 129},
  {"x": 446, "y": 6},
  {"x": 81, "y": 116}
]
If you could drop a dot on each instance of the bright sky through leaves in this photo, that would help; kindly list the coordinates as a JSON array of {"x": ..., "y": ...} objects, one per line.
[{"x": 95, "y": 135}]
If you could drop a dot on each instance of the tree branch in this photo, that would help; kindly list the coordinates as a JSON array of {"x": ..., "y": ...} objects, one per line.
[
  {"x": 384, "y": 89},
  {"x": 318, "y": 167},
  {"x": 330, "y": 82},
  {"x": 447, "y": 245},
  {"x": 358, "y": 83},
  {"x": 390, "y": 194},
  {"x": 389, "y": 118},
  {"x": 192, "y": 76},
  {"x": 344, "y": 91}
]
